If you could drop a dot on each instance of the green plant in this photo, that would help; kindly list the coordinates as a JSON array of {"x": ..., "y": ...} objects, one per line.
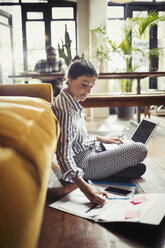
[
  {"x": 102, "y": 53},
  {"x": 136, "y": 27},
  {"x": 65, "y": 49}
]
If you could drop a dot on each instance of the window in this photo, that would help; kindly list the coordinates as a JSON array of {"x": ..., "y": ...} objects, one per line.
[
  {"x": 34, "y": 1},
  {"x": 35, "y": 15},
  {"x": 115, "y": 12},
  {"x": 6, "y": 45},
  {"x": 161, "y": 45},
  {"x": 63, "y": 18},
  {"x": 37, "y": 25},
  {"x": 62, "y": 13},
  {"x": 45, "y": 25},
  {"x": 140, "y": 62},
  {"x": 35, "y": 45},
  {"x": 9, "y": 1},
  {"x": 15, "y": 12},
  {"x": 58, "y": 34},
  {"x": 153, "y": 39}
]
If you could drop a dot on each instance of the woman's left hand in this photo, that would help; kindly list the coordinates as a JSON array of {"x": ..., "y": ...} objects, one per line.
[{"x": 109, "y": 140}]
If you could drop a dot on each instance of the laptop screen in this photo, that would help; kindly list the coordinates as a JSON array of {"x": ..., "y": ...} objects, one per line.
[{"x": 144, "y": 131}]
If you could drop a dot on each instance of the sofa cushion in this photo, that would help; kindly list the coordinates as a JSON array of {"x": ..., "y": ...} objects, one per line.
[
  {"x": 28, "y": 126},
  {"x": 28, "y": 137}
]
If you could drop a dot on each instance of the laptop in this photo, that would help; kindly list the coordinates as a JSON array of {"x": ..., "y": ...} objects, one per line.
[{"x": 142, "y": 133}]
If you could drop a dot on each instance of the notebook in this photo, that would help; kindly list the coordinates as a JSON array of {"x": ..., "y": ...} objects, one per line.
[{"x": 142, "y": 134}]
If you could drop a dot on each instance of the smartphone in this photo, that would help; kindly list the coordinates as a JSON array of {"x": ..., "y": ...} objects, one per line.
[{"x": 118, "y": 191}]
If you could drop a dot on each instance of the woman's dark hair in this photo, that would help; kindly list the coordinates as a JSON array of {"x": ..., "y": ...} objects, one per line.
[{"x": 81, "y": 68}]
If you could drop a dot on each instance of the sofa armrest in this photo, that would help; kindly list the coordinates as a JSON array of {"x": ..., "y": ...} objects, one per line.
[{"x": 40, "y": 90}]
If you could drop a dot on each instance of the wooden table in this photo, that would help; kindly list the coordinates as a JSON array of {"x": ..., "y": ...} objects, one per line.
[
  {"x": 103, "y": 100},
  {"x": 108, "y": 75},
  {"x": 31, "y": 75},
  {"x": 109, "y": 100},
  {"x": 132, "y": 75}
]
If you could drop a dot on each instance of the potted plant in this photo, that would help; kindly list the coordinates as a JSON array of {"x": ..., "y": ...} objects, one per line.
[
  {"x": 101, "y": 50},
  {"x": 102, "y": 55},
  {"x": 133, "y": 27},
  {"x": 65, "y": 49}
]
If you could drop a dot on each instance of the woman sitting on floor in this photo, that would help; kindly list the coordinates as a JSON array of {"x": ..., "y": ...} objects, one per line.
[{"x": 81, "y": 155}]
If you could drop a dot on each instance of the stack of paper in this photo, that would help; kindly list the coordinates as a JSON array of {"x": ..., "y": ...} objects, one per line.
[{"x": 142, "y": 208}]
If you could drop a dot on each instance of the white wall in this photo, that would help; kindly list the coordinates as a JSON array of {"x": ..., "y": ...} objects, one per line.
[
  {"x": 91, "y": 14},
  {"x": 83, "y": 25},
  {"x": 97, "y": 13}
]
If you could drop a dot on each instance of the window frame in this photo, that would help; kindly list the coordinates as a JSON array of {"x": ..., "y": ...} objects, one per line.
[
  {"x": 10, "y": 26},
  {"x": 153, "y": 40},
  {"x": 47, "y": 18}
]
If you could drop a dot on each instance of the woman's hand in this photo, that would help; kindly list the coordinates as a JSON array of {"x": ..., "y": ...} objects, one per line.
[
  {"x": 94, "y": 195},
  {"x": 109, "y": 140}
]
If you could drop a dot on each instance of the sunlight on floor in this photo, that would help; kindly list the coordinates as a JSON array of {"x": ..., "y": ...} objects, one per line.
[{"x": 112, "y": 125}]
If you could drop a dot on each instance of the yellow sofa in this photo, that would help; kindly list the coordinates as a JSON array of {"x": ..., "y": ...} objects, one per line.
[{"x": 28, "y": 137}]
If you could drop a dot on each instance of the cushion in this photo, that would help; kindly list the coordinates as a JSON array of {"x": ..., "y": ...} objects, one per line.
[{"x": 28, "y": 137}]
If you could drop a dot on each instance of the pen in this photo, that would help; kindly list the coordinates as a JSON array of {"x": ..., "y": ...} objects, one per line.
[
  {"x": 94, "y": 205},
  {"x": 92, "y": 184}
]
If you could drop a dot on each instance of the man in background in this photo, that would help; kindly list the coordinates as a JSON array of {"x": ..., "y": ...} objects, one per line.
[{"x": 52, "y": 65}]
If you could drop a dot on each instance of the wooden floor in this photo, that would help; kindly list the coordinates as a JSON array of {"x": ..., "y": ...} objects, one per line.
[{"x": 62, "y": 230}]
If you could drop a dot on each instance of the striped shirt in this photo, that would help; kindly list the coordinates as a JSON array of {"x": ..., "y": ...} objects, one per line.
[{"x": 73, "y": 138}]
